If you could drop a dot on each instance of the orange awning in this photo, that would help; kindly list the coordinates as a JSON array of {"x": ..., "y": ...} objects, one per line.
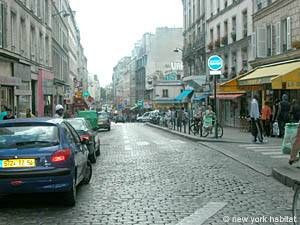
[{"x": 227, "y": 96}]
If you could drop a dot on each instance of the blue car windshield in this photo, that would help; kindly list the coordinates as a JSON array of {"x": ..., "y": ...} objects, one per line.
[{"x": 28, "y": 136}]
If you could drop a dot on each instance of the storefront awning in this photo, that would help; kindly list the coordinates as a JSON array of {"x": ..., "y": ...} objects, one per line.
[
  {"x": 287, "y": 81},
  {"x": 183, "y": 95},
  {"x": 230, "y": 86},
  {"x": 227, "y": 96},
  {"x": 200, "y": 97},
  {"x": 264, "y": 75}
]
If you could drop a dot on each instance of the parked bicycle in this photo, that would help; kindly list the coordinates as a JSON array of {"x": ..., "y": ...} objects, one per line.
[
  {"x": 196, "y": 127},
  {"x": 208, "y": 127}
]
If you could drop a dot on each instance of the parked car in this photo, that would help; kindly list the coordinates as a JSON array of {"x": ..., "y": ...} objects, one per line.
[
  {"x": 120, "y": 118},
  {"x": 104, "y": 120},
  {"x": 42, "y": 155},
  {"x": 85, "y": 130},
  {"x": 144, "y": 118},
  {"x": 91, "y": 116}
]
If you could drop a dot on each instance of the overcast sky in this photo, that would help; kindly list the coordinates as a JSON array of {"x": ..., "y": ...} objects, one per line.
[{"x": 109, "y": 28}]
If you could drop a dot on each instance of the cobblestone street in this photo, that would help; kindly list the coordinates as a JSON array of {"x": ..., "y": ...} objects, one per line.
[{"x": 147, "y": 176}]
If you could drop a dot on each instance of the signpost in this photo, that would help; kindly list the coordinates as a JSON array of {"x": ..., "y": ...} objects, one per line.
[{"x": 215, "y": 64}]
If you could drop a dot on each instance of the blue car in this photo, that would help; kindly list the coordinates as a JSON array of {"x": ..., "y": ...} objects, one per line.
[{"x": 42, "y": 155}]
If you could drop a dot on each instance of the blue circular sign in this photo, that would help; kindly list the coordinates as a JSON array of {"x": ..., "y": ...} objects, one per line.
[{"x": 215, "y": 62}]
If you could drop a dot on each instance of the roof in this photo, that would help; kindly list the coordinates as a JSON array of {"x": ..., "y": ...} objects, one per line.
[{"x": 34, "y": 120}]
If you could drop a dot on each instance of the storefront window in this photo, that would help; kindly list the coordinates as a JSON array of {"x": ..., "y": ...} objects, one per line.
[
  {"x": 23, "y": 103},
  {"x": 48, "y": 105},
  {"x": 6, "y": 97}
]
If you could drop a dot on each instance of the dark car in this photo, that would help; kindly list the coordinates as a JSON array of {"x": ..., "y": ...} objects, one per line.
[
  {"x": 42, "y": 155},
  {"x": 85, "y": 130},
  {"x": 104, "y": 120}
]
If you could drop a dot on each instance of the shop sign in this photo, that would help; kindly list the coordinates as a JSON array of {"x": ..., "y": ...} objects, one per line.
[
  {"x": 10, "y": 81},
  {"x": 59, "y": 90},
  {"x": 293, "y": 85}
]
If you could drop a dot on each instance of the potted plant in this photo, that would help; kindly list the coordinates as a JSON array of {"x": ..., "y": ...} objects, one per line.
[
  {"x": 296, "y": 44},
  {"x": 210, "y": 46}
]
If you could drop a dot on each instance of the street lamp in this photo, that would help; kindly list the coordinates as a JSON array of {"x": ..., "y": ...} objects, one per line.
[{"x": 64, "y": 13}]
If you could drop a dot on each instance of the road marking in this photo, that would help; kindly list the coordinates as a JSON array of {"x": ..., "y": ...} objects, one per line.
[
  {"x": 271, "y": 153},
  {"x": 281, "y": 156},
  {"x": 266, "y": 150},
  {"x": 203, "y": 214},
  {"x": 178, "y": 141},
  {"x": 143, "y": 143},
  {"x": 264, "y": 147}
]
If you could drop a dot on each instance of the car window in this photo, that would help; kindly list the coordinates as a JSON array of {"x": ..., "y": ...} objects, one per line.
[
  {"x": 78, "y": 124},
  {"x": 74, "y": 133},
  {"x": 88, "y": 124},
  {"x": 68, "y": 133},
  {"x": 22, "y": 136}
]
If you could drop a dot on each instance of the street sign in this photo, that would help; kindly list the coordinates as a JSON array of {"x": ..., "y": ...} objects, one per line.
[
  {"x": 215, "y": 63},
  {"x": 215, "y": 72}
]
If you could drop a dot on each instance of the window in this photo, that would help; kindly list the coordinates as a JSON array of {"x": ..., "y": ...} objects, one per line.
[
  {"x": 47, "y": 48},
  {"x": 165, "y": 93},
  {"x": 1, "y": 25},
  {"x": 13, "y": 29},
  {"x": 245, "y": 23},
  {"x": 233, "y": 31},
  {"x": 211, "y": 7},
  {"x": 41, "y": 47},
  {"x": 218, "y": 6},
  {"x": 47, "y": 11},
  {"x": 22, "y": 36},
  {"x": 261, "y": 38},
  {"x": 32, "y": 42},
  {"x": 211, "y": 35},
  {"x": 285, "y": 34},
  {"x": 269, "y": 40}
]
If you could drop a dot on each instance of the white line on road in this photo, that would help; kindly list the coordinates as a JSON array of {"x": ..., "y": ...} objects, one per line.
[
  {"x": 281, "y": 156},
  {"x": 264, "y": 147},
  {"x": 271, "y": 153},
  {"x": 266, "y": 150},
  {"x": 202, "y": 214}
]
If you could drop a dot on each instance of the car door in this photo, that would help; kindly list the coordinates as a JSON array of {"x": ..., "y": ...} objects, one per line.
[
  {"x": 82, "y": 152},
  {"x": 72, "y": 144}
]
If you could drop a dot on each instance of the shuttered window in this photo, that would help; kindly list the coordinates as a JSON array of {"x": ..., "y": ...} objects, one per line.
[
  {"x": 253, "y": 42},
  {"x": 288, "y": 33},
  {"x": 277, "y": 38},
  {"x": 1, "y": 25},
  {"x": 261, "y": 41}
]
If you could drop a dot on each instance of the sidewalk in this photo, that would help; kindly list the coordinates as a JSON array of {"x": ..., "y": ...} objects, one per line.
[
  {"x": 266, "y": 159},
  {"x": 231, "y": 135}
]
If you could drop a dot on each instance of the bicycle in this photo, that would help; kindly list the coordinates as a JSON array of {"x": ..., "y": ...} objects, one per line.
[
  {"x": 196, "y": 126},
  {"x": 208, "y": 127}
]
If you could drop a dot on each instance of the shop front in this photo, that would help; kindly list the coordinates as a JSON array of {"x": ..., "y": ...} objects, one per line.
[
  {"x": 45, "y": 93},
  {"x": 23, "y": 92},
  {"x": 8, "y": 83}
]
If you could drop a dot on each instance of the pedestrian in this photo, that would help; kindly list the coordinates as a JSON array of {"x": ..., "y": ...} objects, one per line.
[
  {"x": 10, "y": 115},
  {"x": 266, "y": 114},
  {"x": 256, "y": 128},
  {"x": 3, "y": 113},
  {"x": 295, "y": 111},
  {"x": 295, "y": 148},
  {"x": 180, "y": 114},
  {"x": 283, "y": 114},
  {"x": 59, "y": 111},
  {"x": 173, "y": 118},
  {"x": 185, "y": 119},
  {"x": 29, "y": 114}
]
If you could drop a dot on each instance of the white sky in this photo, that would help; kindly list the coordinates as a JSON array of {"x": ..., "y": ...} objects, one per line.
[{"x": 109, "y": 28}]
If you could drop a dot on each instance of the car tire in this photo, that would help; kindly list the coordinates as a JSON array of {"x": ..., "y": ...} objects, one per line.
[
  {"x": 98, "y": 151},
  {"x": 69, "y": 198},
  {"x": 108, "y": 128},
  {"x": 93, "y": 157},
  {"x": 88, "y": 173}
]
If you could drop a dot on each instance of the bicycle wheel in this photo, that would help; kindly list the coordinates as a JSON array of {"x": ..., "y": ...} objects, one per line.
[
  {"x": 296, "y": 206},
  {"x": 194, "y": 129},
  {"x": 220, "y": 131},
  {"x": 205, "y": 132}
]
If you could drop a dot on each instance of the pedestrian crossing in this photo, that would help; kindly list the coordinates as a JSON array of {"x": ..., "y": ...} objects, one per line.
[{"x": 273, "y": 151}]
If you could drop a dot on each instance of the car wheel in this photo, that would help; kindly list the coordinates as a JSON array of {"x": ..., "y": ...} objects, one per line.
[
  {"x": 108, "y": 128},
  {"x": 87, "y": 173},
  {"x": 69, "y": 198},
  {"x": 98, "y": 151}
]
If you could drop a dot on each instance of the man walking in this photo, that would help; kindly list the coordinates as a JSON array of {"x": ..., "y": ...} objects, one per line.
[{"x": 255, "y": 121}]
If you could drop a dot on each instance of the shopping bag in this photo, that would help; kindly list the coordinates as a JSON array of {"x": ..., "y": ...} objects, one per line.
[
  {"x": 275, "y": 129},
  {"x": 289, "y": 137}
]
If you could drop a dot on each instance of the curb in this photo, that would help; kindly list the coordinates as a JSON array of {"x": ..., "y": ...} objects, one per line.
[
  {"x": 194, "y": 138},
  {"x": 288, "y": 175}
]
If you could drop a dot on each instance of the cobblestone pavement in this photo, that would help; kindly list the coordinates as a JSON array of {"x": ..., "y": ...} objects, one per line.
[{"x": 146, "y": 176}]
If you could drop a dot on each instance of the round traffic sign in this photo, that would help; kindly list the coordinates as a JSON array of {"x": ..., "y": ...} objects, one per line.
[{"x": 215, "y": 62}]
